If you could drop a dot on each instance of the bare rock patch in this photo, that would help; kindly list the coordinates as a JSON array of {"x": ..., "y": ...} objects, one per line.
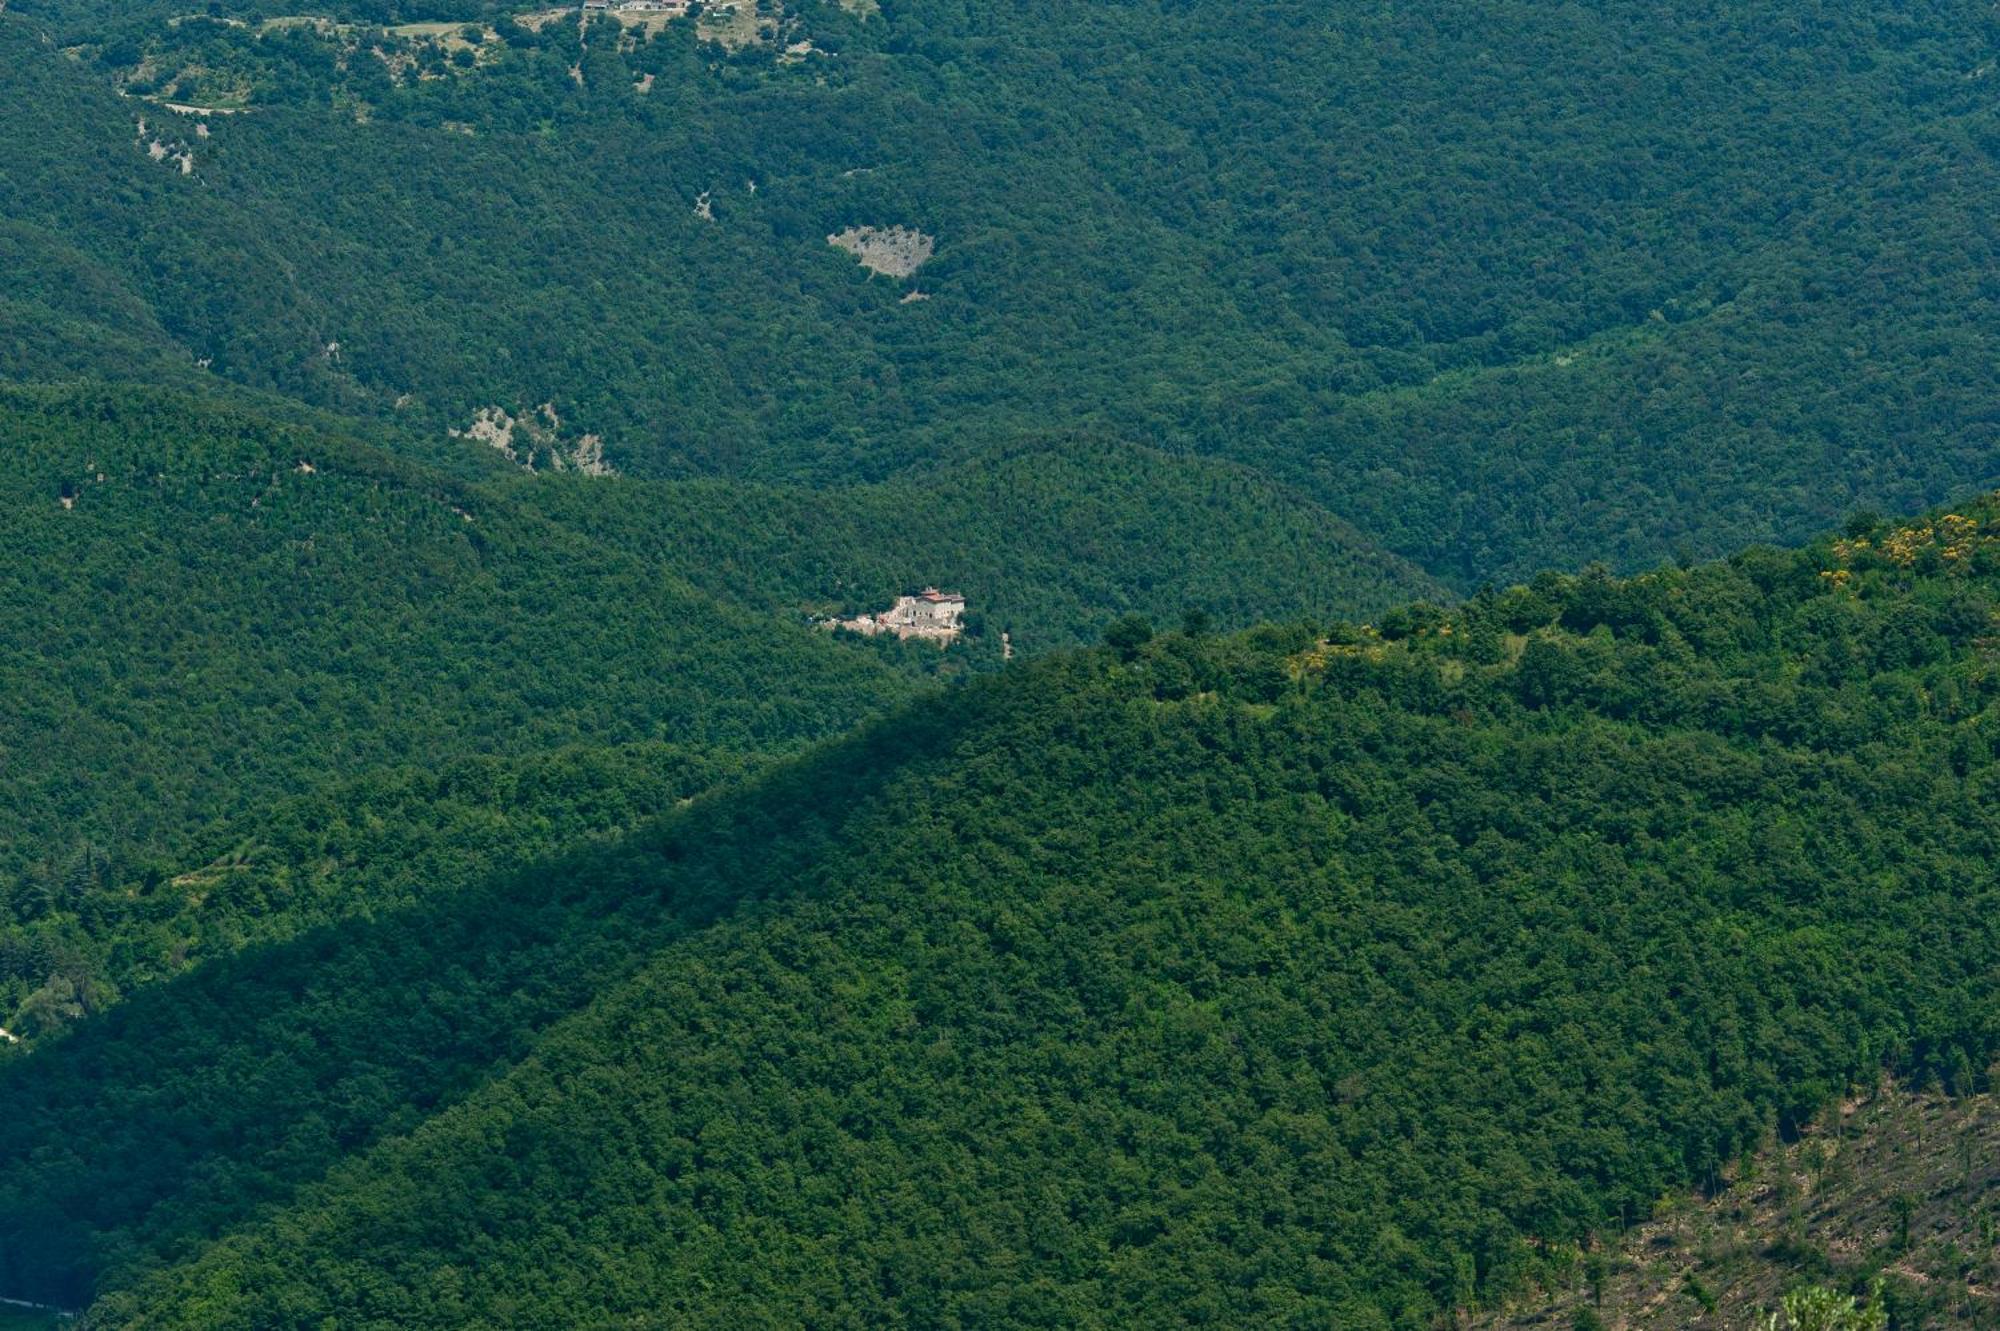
[
  {"x": 534, "y": 441},
  {"x": 894, "y": 251}
]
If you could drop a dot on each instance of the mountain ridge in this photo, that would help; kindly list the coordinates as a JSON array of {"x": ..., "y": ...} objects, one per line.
[{"x": 1531, "y": 888}]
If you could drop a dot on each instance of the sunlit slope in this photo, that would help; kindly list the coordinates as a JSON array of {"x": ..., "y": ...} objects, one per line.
[{"x": 1269, "y": 978}]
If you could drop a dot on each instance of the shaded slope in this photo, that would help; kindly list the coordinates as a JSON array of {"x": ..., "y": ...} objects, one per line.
[
  {"x": 1254, "y": 980},
  {"x": 386, "y": 840},
  {"x": 224, "y": 1090}
]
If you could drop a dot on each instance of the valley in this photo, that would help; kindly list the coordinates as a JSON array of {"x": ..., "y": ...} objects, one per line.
[{"x": 942, "y": 664}]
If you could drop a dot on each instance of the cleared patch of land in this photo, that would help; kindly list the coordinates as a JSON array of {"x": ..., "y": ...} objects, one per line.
[
  {"x": 737, "y": 24},
  {"x": 451, "y": 36},
  {"x": 542, "y": 18},
  {"x": 645, "y": 20},
  {"x": 1895, "y": 1185}
]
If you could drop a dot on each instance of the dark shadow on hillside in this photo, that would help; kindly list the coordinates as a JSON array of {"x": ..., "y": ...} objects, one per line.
[{"x": 185, "y": 1110}]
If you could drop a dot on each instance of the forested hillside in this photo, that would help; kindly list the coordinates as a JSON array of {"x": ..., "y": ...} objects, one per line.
[
  {"x": 1507, "y": 287},
  {"x": 1319, "y": 975},
  {"x": 1054, "y": 537},
  {"x": 237, "y": 607},
  {"x": 451, "y": 873},
  {"x": 222, "y": 616}
]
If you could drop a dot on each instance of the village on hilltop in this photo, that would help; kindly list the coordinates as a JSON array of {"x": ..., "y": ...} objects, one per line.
[{"x": 931, "y": 615}]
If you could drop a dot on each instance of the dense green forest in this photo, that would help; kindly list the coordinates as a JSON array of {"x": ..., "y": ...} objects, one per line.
[
  {"x": 1323, "y": 974},
  {"x": 1509, "y": 287},
  {"x": 225, "y": 611},
  {"x": 238, "y": 607},
  {"x": 1053, "y": 536},
  {"x": 450, "y": 875}
]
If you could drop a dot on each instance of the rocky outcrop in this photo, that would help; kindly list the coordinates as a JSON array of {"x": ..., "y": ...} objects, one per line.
[
  {"x": 894, "y": 251},
  {"x": 535, "y": 442}
]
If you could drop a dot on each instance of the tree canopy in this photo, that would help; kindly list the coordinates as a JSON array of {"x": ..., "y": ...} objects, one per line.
[{"x": 1298, "y": 976}]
